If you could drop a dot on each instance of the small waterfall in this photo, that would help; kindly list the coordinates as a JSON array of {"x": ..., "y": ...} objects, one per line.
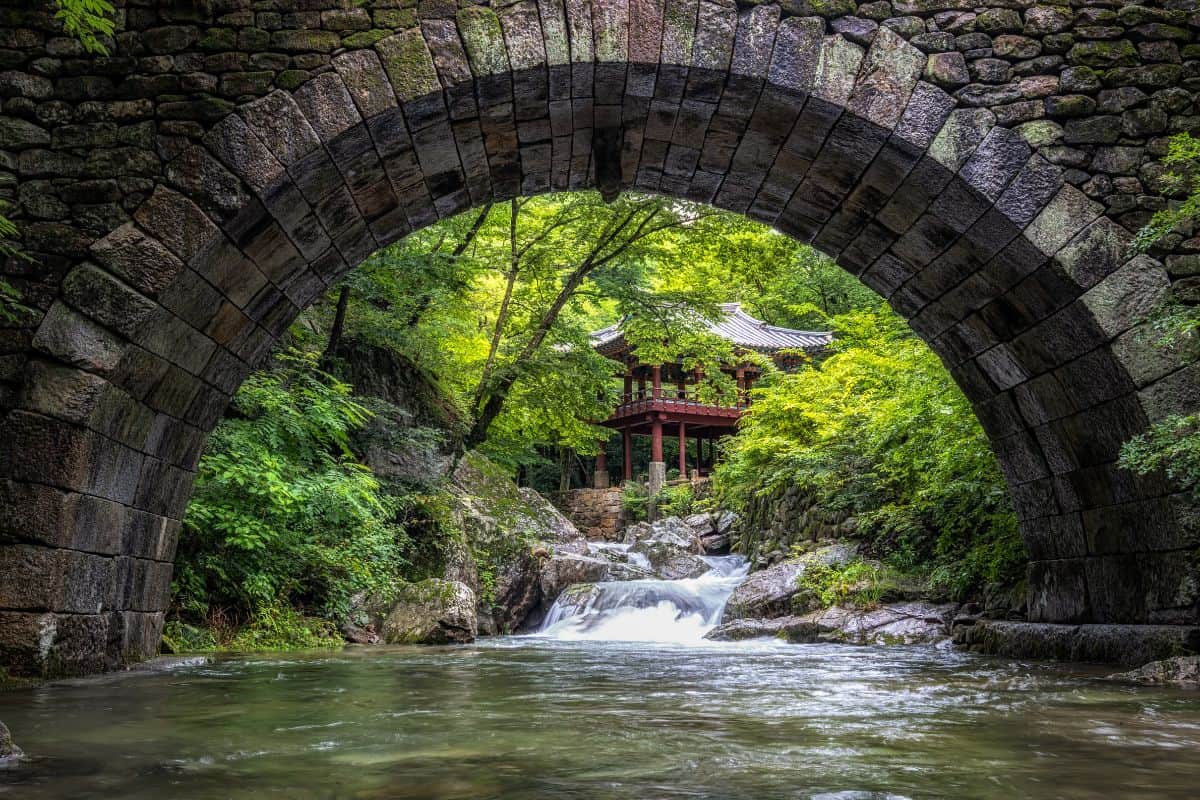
[{"x": 646, "y": 610}]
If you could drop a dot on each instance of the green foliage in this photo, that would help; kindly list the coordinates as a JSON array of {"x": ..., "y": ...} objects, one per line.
[
  {"x": 677, "y": 501},
  {"x": 858, "y": 584},
  {"x": 1183, "y": 157},
  {"x": 282, "y": 515},
  {"x": 880, "y": 432},
  {"x": 635, "y": 501},
  {"x": 281, "y": 627},
  {"x": 1171, "y": 446},
  {"x": 87, "y": 21}
]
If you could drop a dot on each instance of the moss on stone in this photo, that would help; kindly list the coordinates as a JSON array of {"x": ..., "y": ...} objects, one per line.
[
  {"x": 409, "y": 64},
  {"x": 218, "y": 39},
  {"x": 291, "y": 79},
  {"x": 396, "y": 18},
  {"x": 1103, "y": 53},
  {"x": 300, "y": 41},
  {"x": 483, "y": 39},
  {"x": 365, "y": 38}
]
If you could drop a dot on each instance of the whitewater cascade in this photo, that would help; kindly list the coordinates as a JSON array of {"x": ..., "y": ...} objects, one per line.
[{"x": 645, "y": 610}]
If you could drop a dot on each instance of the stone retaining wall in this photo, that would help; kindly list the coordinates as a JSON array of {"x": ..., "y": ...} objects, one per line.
[{"x": 596, "y": 512}]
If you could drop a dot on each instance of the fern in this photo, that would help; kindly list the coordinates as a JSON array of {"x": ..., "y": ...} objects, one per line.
[{"x": 87, "y": 21}]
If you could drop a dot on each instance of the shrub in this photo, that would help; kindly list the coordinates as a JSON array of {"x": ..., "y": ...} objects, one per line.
[
  {"x": 635, "y": 501},
  {"x": 283, "y": 515},
  {"x": 677, "y": 501},
  {"x": 858, "y": 584}
]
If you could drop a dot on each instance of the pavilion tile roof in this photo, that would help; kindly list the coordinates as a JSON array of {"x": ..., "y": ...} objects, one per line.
[{"x": 738, "y": 327}]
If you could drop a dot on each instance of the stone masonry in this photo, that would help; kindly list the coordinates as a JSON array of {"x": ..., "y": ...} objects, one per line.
[
  {"x": 596, "y": 512},
  {"x": 980, "y": 163}
]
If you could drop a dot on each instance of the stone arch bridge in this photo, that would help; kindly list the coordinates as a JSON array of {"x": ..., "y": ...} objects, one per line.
[{"x": 981, "y": 163}]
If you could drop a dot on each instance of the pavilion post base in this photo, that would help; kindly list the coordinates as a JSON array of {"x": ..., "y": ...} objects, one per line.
[{"x": 658, "y": 477}]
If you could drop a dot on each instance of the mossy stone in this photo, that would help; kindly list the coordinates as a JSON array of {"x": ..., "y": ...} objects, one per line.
[{"x": 365, "y": 38}]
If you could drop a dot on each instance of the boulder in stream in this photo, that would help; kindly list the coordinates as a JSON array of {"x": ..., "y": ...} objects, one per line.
[
  {"x": 8, "y": 749},
  {"x": 796, "y": 630},
  {"x": 434, "y": 611},
  {"x": 565, "y": 569},
  {"x": 1178, "y": 671},
  {"x": 681, "y": 567},
  {"x": 515, "y": 594},
  {"x": 713, "y": 530},
  {"x": 901, "y": 623},
  {"x": 769, "y": 592}
]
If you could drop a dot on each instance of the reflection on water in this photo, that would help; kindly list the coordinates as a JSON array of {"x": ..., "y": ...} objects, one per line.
[{"x": 538, "y": 718}]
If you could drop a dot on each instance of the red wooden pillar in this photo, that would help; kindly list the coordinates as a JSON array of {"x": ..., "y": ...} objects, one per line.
[
  {"x": 627, "y": 446},
  {"x": 628, "y": 396},
  {"x": 656, "y": 377},
  {"x": 741, "y": 386},
  {"x": 683, "y": 473},
  {"x": 656, "y": 440}
]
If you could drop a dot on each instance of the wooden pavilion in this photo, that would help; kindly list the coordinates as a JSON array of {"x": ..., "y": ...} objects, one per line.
[{"x": 661, "y": 398}]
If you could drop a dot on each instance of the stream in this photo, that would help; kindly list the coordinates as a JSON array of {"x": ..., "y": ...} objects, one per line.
[{"x": 616, "y": 696}]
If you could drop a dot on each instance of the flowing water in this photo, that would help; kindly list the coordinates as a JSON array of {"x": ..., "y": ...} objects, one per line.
[
  {"x": 615, "y": 717},
  {"x": 648, "y": 610}
]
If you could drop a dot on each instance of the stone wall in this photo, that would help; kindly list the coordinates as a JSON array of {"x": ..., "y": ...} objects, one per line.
[
  {"x": 770, "y": 524},
  {"x": 979, "y": 164},
  {"x": 596, "y": 512}
]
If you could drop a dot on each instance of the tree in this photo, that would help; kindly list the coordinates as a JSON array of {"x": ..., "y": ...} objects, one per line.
[{"x": 879, "y": 431}]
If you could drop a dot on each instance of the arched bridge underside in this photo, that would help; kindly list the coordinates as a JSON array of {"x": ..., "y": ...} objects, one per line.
[{"x": 185, "y": 198}]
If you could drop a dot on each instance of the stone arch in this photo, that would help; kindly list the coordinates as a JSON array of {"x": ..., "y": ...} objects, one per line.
[{"x": 833, "y": 131}]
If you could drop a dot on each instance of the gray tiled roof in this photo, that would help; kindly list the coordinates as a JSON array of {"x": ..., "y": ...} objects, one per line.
[{"x": 742, "y": 329}]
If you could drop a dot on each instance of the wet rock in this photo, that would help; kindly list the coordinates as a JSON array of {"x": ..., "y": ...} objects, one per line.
[
  {"x": 1103, "y": 643},
  {"x": 684, "y": 565},
  {"x": 8, "y": 749},
  {"x": 701, "y": 524},
  {"x": 1178, "y": 671},
  {"x": 624, "y": 571},
  {"x": 716, "y": 544},
  {"x": 903, "y": 623},
  {"x": 672, "y": 530},
  {"x": 566, "y": 569},
  {"x": 355, "y": 634},
  {"x": 433, "y": 611},
  {"x": 794, "y": 629},
  {"x": 514, "y": 596},
  {"x": 769, "y": 593}
]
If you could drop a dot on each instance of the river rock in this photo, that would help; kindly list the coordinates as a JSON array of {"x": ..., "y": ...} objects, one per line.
[
  {"x": 624, "y": 571},
  {"x": 769, "y": 592},
  {"x": 515, "y": 593},
  {"x": 796, "y": 630},
  {"x": 682, "y": 566},
  {"x": 8, "y": 749},
  {"x": 902, "y": 623},
  {"x": 434, "y": 611},
  {"x": 672, "y": 531},
  {"x": 701, "y": 524},
  {"x": 566, "y": 569},
  {"x": 1179, "y": 671}
]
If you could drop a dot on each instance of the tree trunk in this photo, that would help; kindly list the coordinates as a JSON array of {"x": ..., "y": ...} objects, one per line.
[
  {"x": 502, "y": 316},
  {"x": 493, "y": 390},
  {"x": 566, "y": 462},
  {"x": 339, "y": 325}
]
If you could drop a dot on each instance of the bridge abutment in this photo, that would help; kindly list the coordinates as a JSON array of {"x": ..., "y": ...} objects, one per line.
[{"x": 183, "y": 199}]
